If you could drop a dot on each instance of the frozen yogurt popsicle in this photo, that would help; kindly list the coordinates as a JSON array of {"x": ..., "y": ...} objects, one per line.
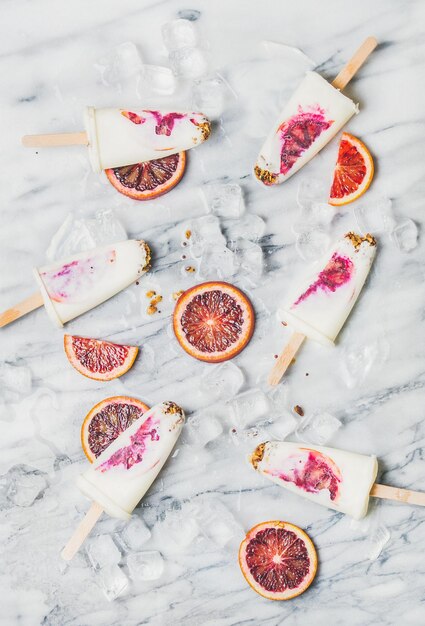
[
  {"x": 118, "y": 137},
  {"x": 122, "y": 474},
  {"x": 318, "y": 306},
  {"x": 71, "y": 287},
  {"x": 311, "y": 118},
  {"x": 340, "y": 480}
]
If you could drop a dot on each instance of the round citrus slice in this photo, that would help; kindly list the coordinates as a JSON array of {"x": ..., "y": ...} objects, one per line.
[
  {"x": 295, "y": 136},
  {"x": 213, "y": 321},
  {"x": 97, "y": 359},
  {"x": 149, "y": 179},
  {"x": 278, "y": 560},
  {"x": 106, "y": 421},
  {"x": 353, "y": 171}
]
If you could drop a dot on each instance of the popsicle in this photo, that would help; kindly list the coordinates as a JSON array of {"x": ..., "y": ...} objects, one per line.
[
  {"x": 118, "y": 137},
  {"x": 122, "y": 474},
  {"x": 319, "y": 305},
  {"x": 340, "y": 480},
  {"x": 311, "y": 118},
  {"x": 70, "y": 287}
]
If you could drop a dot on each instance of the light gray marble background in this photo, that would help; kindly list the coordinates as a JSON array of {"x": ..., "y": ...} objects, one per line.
[{"x": 372, "y": 381}]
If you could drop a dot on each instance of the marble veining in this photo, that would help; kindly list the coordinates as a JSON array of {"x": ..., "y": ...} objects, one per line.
[{"x": 372, "y": 380}]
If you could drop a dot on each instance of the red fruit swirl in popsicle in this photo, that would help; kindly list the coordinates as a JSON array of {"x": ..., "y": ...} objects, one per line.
[
  {"x": 298, "y": 133},
  {"x": 312, "y": 471},
  {"x": 337, "y": 273}
]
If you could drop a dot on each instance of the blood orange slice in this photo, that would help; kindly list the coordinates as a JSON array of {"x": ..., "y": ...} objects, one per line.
[
  {"x": 106, "y": 421},
  {"x": 97, "y": 359},
  {"x": 298, "y": 134},
  {"x": 149, "y": 179},
  {"x": 278, "y": 560},
  {"x": 295, "y": 135},
  {"x": 353, "y": 171},
  {"x": 213, "y": 321}
]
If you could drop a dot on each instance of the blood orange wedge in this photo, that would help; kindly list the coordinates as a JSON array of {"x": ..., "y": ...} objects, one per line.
[
  {"x": 278, "y": 560},
  {"x": 97, "y": 359},
  {"x": 353, "y": 171},
  {"x": 213, "y": 321},
  {"x": 106, "y": 421},
  {"x": 296, "y": 135},
  {"x": 149, "y": 179}
]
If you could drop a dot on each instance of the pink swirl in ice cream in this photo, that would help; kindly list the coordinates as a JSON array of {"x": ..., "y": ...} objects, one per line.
[
  {"x": 160, "y": 124},
  {"x": 134, "y": 453},
  {"x": 164, "y": 124},
  {"x": 337, "y": 273},
  {"x": 74, "y": 280},
  {"x": 310, "y": 470},
  {"x": 298, "y": 133}
]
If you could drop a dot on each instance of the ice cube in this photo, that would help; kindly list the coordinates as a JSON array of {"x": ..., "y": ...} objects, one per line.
[
  {"x": 219, "y": 524},
  {"x": 247, "y": 438},
  {"x": 278, "y": 398},
  {"x": 310, "y": 192},
  {"x": 204, "y": 230},
  {"x": 357, "y": 361},
  {"x": 405, "y": 235},
  {"x": 282, "y": 426},
  {"x": 248, "y": 407},
  {"x": 210, "y": 95},
  {"x": 106, "y": 228},
  {"x": 322, "y": 213},
  {"x": 203, "y": 427},
  {"x": 318, "y": 428},
  {"x": 312, "y": 244},
  {"x": 222, "y": 382},
  {"x": 249, "y": 227},
  {"x": 145, "y": 566},
  {"x": 250, "y": 257},
  {"x": 318, "y": 215},
  {"x": 73, "y": 236},
  {"x": 156, "y": 79},
  {"x": 15, "y": 378},
  {"x": 135, "y": 533},
  {"x": 78, "y": 234},
  {"x": 102, "y": 551},
  {"x": 25, "y": 486},
  {"x": 178, "y": 529},
  {"x": 379, "y": 540},
  {"x": 188, "y": 63},
  {"x": 224, "y": 200},
  {"x": 179, "y": 34},
  {"x": 112, "y": 580},
  {"x": 123, "y": 62},
  {"x": 217, "y": 260},
  {"x": 375, "y": 218}
]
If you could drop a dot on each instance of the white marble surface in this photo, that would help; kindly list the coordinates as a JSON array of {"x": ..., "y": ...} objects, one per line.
[{"x": 46, "y": 66}]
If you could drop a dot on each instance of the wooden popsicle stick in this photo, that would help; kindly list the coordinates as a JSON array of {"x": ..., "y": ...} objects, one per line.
[
  {"x": 355, "y": 63},
  {"x": 24, "y": 307},
  {"x": 58, "y": 139},
  {"x": 285, "y": 358},
  {"x": 82, "y": 531},
  {"x": 395, "y": 493}
]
